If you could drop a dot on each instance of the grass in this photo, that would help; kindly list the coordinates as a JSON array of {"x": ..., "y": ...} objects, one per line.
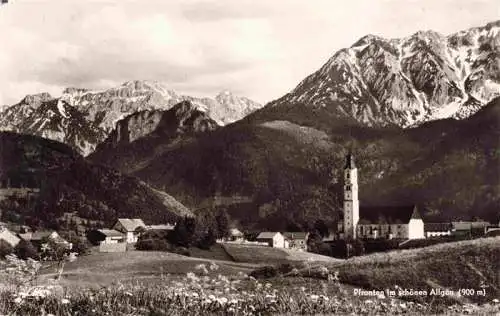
[
  {"x": 105, "y": 269},
  {"x": 473, "y": 264},
  {"x": 160, "y": 283},
  {"x": 268, "y": 255}
]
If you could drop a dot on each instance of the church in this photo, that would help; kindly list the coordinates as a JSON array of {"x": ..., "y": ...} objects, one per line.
[{"x": 401, "y": 222}]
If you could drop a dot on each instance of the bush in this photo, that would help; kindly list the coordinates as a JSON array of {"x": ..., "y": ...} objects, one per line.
[
  {"x": 25, "y": 250},
  {"x": 181, "y": 251},
  {"x": 381, "y": 245},
  {"x": 152, "y": 244},
  {"x": 5, "y": 248},
  {"x": 80, "y": 245},
  {"x": 358, "y": 247},
  {"x": 207, "y": 241},
  {"x": 265, "y": 272}
]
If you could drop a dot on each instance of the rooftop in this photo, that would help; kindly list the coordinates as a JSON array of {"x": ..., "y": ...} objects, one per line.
[
  {"x": 388, "y": 214},
  {"x": 131, "y": 225},
  {"x": 267, "y": 235}
]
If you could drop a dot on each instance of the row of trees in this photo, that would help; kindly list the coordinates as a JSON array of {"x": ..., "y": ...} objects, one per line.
[{"x": 201, "y": 231}]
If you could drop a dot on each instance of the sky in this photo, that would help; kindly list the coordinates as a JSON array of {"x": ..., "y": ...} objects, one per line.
[{"x": 260, "y": 49}]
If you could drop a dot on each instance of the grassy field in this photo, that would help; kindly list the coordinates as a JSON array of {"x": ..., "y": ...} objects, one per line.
[
  {"x": 104, "y": 269},
  {"x": 471, "y": 264},
  {"x": 268, "y": 255},
  {"x": 161, "y": 283}
]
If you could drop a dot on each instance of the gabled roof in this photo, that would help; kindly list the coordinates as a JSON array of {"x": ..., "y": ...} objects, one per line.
[
  {"x": 7, "y": 236},
  {"x": 39, "y": 235},
  {"x": 161, "y": 227},
  {"x": 111, "y": 233},
  {"x": 466, "y": 225},
  {"x": 267, "y": 235},
  {"x": 235, "y": 232},
  {"x": 130, "y": 225},
  {"x": 295, "y": 235},
  {"x": 437, "y": 227},
  {"x": 388, "y": 214}
]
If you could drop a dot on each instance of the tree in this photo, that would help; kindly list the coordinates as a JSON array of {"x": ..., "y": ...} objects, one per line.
[
  {"x": 80, "y": 245},
  {"x": 314, "y": 241},
  {"x": 25, "y": 250},
  {"x": 208, "y": 240},
  {"x": 5, "y": 248},
  {"x": 222, "y": 222},
  {"x": 183, "y": 233},
  {"x": 358, "y": 247},
  {"x": 321, "y": 227}
]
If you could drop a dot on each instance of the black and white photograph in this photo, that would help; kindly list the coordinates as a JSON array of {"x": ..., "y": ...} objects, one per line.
[{"x": 249, "y": 157}]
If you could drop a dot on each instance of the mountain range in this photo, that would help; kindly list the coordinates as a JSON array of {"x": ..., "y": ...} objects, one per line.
[
  {"x": 83, "y": 118},
  {"x": 405, "y": 82}
]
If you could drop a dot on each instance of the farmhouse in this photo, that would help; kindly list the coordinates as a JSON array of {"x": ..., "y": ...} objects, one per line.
[
  {"x": 297, "y": 240},
  {"x": 108, "y": 240},
  {"x": 273, "y": 239},
  {"x": 8, "y": 237},
  {"x": 236, "y": 235},
  {"x": 402, "y": 222},
  {"x": 132, "y": 228}
]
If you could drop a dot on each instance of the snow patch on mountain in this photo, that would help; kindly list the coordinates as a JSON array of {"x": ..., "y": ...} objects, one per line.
[{"x": 406, "y": 81}]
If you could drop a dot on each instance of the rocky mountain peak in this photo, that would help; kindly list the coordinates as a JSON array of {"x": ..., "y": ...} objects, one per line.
[
  {"x": 36, "y": 99},
  {"x": 406, "y": 81}
]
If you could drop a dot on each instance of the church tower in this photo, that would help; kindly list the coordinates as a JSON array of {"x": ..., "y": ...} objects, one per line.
[{"x": 351, "y": 202}]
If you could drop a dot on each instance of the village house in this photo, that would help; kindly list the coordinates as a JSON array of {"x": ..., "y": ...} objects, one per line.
[
  {"x": 437, "y": 229},
  {"x": 108, "y": 240},
  {"x": 273, "y": 239},
  {"x": 402, "y": 222},
  {"x": 236, "y": 235},
  {"x": 297, "y": 240},
  {"x": 8, "y": 237},
  {"x": 132, "y": 228}
]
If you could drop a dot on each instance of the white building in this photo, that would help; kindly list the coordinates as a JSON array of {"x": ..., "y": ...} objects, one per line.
[
  {"x": 273, "y": 239},
  {"x": 403, "y": 222}
]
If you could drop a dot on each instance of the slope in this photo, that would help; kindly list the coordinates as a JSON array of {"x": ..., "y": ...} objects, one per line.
[{"x": 66, "y": 183}]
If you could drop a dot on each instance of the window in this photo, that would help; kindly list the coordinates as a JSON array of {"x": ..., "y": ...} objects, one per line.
[{"x": 348, "y": 187}]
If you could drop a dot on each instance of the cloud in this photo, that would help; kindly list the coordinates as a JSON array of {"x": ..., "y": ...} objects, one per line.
[{"x": 258, "y": 48}]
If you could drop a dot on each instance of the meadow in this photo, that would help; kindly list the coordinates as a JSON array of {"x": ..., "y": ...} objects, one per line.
[{"x": 160, "y": 283}]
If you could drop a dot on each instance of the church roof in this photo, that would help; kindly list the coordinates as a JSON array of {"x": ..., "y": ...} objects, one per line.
[
  {"x": 388, "y": 214},
  {"x": 437, "y": 227}
]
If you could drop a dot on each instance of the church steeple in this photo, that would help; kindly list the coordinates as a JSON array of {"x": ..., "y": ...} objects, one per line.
[
  {"x": 351, "y": 202},
  {"x": 350, "y": 162}
]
